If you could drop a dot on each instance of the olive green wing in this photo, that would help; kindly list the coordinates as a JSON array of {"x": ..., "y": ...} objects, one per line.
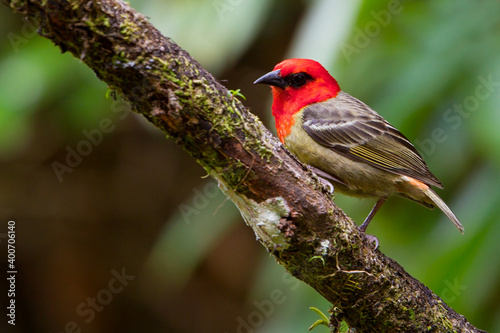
[{"x": 352, "y": 129}]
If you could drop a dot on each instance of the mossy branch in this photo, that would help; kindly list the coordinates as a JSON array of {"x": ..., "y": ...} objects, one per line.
[{"x": 278, "y": 197}]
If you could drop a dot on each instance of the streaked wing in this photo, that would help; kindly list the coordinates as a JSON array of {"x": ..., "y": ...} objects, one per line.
[{"x": 352, "y": 129}]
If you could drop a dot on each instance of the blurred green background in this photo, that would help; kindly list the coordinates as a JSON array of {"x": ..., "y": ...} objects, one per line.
[{"x": 138, "y": 207}]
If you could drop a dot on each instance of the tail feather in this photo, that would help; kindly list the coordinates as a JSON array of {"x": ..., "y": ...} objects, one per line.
[{"x": 440, "y": 203}]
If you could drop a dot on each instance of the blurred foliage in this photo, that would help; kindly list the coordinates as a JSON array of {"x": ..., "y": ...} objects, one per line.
[{"x": 138, "y": 201}]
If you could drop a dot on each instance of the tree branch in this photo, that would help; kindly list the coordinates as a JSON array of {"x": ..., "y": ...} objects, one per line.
[{"x": 277, "y": 196}]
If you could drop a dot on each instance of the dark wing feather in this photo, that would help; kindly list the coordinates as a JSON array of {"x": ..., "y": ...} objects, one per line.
[{"x": 350, "y": 128}]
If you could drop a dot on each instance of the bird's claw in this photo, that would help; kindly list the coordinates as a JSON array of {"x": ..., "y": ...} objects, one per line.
[
  {"x": 327, "y": 185},
  {"x": 372, "y": 239}
]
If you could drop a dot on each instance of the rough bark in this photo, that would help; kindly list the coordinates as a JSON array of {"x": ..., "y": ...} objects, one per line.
[{"x": 285, "y": 205}]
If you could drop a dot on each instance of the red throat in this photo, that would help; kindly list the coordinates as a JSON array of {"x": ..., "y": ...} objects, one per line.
[{"x": 289, "y": 101}]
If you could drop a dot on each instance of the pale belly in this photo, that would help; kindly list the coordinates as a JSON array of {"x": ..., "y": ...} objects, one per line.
[{"x": 360, "y": 179}]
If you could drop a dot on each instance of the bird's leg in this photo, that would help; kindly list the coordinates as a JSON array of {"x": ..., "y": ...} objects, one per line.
[
  {"x": 374, "y": 210},
  {"x": 363, "y": 227},
  {"x": 325, "y": 178}
]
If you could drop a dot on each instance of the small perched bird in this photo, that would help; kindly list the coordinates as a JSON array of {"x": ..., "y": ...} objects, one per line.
[{"x": 346, "y": 142}]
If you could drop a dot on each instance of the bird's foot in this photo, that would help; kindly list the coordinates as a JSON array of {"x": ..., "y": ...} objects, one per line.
[
  {"x": 329, "y": 187},
  {"x": 372, "y": 239},
  {"x": 325, "y": 178}
]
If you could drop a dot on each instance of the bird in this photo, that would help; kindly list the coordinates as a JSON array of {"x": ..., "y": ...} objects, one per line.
[{"x": 345, "y": 142}]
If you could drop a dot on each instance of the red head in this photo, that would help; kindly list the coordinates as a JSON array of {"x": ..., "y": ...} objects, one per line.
[{"x": 297, "y": 83}]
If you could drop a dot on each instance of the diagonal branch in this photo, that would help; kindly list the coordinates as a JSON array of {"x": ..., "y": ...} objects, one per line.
[{"x": 277, "y": 196}]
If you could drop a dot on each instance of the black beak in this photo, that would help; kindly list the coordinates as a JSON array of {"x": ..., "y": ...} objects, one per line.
[{"x": 272, "y": 78}]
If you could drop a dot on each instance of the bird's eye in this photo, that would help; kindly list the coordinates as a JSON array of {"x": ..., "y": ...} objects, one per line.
[{"x": 299, "y": 79}]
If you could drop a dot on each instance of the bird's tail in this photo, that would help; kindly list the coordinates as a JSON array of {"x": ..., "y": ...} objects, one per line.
[{"x": 440, "y": 203}]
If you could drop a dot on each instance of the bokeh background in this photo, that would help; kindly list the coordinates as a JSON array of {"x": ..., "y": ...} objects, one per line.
[{"x": 139, "y": 208}]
